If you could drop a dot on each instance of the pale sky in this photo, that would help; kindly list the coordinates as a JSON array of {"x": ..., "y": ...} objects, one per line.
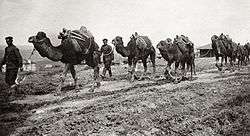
[{"x": 159, "y": 19}]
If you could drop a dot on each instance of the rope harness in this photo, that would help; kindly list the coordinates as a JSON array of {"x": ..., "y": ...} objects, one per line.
[
  {"x": 77, "y": 36},
  {"x": 108, "y": 53}
]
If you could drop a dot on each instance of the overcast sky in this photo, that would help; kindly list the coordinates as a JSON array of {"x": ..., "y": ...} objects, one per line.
[{"x": 159, "y": 19}]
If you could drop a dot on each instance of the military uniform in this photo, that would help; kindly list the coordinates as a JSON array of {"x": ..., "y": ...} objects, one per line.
[
  {"x": 108, "y": 56},
  {"x": 13, "y": 60}
]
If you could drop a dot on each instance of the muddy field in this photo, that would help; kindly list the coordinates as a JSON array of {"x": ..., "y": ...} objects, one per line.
[{"x": 212, "y": 104}]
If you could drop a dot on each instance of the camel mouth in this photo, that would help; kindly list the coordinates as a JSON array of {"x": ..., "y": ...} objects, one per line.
[
  {"x": 31, "y": 39},
  {"x": 159, "y": 46},
  {"x": 114, "y": 42}
]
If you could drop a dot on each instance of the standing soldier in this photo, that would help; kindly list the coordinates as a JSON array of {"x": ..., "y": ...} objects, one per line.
[
  {"x": 108, "y": 56},
  {"x": 13, "y": 60}
]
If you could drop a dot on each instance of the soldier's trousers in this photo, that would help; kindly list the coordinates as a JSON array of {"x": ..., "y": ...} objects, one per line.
[
  {"x": 107, "y": 66},
  {"x": 10, "y": 76}
]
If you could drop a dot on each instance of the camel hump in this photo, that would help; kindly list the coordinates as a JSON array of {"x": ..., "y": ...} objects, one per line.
[{"x": 143, "y": 42}]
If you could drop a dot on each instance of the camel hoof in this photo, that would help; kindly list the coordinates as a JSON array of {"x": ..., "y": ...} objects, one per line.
[
  {"x": 141, "y": 78},
  {"x": 132, "y": 79},
  {"x": 77, "y": 88},
  {"x": 57, "y": 93},
  {"x": 92, "y": 89},
  {"x": 98, "y": 84},
  {"x": 103, "y": 77},
  {"x": 176, "y": 81},
  {"x": 231, "y": 70}
]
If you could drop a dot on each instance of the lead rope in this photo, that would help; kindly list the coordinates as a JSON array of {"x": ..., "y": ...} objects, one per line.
[
  {"x": 204, "y": 54},
  {"x": 31, "y": 53}
]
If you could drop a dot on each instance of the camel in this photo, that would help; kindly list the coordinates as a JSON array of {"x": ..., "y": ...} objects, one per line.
[
  {"x": 187, "y": 49},
  {"x": 224, "y": 48},
  {"x": 247, "y": 46},
  {"x": 178, "y": 53},
  {"x": 171, "y": 54},
  {"x": 241, "y": 55},
  {"x": 138, "y": 48},
  {"x": 71, "y": 52}
]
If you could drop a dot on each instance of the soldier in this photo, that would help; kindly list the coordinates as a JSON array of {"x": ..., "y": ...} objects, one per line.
[
  {"x": 13, "y": 60},
  {"x": 108, "y": 56}
]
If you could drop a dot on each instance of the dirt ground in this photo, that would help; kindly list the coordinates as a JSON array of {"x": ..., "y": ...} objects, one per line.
[{"x": 212, "y": 104}]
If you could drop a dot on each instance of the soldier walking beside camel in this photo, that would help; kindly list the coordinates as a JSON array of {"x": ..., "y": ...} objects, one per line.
[
  {"x": 108, "y": 57},
  {"x": 13, "y": 60}
]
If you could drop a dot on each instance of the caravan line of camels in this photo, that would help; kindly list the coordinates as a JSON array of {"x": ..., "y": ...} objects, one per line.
[{"x": 79, "y": 45}]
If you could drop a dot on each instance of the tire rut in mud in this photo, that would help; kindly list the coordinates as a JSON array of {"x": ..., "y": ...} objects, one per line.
[{"x": 217, "y": 108}]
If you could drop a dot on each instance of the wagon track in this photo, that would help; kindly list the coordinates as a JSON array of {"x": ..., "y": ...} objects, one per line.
[{"x": 212, "y": 104}]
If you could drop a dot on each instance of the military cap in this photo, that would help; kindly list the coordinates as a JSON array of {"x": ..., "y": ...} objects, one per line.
[
  {"x": 9, "y": 38},
  {"x": 105, "y": 39}
]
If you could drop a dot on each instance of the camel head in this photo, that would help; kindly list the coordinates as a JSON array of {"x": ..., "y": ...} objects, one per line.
[
  {"x": 119, "y": 47},
  {"x": 214, "y": 37},
  {"x": 38, "y": 38},
  {"x": 217, "y": 45},
  {"x": 44, "y": 47},
  {"x": 161, "y": 45},
  {"x": 117, "y": 41}
]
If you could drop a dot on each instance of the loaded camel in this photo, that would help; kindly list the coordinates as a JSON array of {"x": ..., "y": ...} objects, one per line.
[
  {"x": 74, "y": 48},
  {"x": 138, "y": 48},
  {"x": 224, "y": 47},
  {"x": 178, "y": 52}
]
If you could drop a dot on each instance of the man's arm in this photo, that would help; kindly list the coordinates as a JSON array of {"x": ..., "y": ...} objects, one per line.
[
  {"x": 101, "y": 50},
  {"x": 19, "y": 58},
  {"x": 4, "y": 59}
]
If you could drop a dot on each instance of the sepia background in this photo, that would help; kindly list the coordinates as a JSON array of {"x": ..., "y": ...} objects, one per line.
[{"x": 159, "y": 19}]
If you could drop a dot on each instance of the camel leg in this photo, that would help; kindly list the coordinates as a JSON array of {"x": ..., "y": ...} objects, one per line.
[
  {"x": 221, "y": 61},
  {"x": 238, "y": 63},
  {"x": 225, "y": 57},
  {"x": 245, "y": 61},
  {"x": 217, "y": 60},
  {"x": 231, "y": 64},
  {"x": 133, "y": 70},
  {"x": 97, "y": 82},
  {"x": 144, "y": 62},
  {"x": 103, "y": 72},
  {"x": 152, "y": 58},
  {"x": 62, "y": 78},
  {"x": 73, "y": 73},
  {"x": 183, "y": 71},
  {"x": 167, "y": 73},
  {"x": 194, "y": 67},
  {"x": 190, "y": 68},
  {"x": 176, "y": 80},
  {"x": 130, "y": 62}
]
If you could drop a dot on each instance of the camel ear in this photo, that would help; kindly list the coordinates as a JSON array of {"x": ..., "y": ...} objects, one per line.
[{"x": 113, "y": 42}]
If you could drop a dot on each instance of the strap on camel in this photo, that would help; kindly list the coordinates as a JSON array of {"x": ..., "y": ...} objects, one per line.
[
  {"x": 140, "y": 41},
  {"x": 75, "y": 36}
]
